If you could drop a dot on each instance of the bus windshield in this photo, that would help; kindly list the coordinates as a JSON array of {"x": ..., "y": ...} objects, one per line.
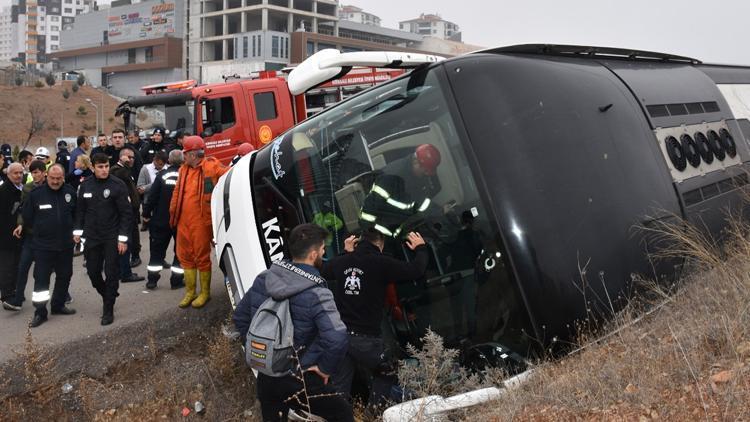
[{"x": 392, "y": 159}]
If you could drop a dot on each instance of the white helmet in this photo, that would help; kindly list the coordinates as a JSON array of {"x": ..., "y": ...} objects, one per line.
[{"x": 42, "y": 152}]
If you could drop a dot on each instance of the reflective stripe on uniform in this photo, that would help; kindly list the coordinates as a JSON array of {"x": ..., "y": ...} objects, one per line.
[
  {"x": 383, "y": 230},
  {"x": 425, "y": 204},
  {"x": 177, "y": 270},
  {"x": 40, "y": 296},
  {"x": 367, "y": 217},
  {"x": 154, "y": 268}
]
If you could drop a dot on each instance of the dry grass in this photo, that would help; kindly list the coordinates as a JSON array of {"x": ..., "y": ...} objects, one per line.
[
  {"x": 688, "y": 360},
  {"x": 156, "y": 386}
]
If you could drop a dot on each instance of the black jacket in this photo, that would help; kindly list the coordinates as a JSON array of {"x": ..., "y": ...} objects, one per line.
[
  {"x": 63, "y": 157},
  {"x": 361, "y": 278},
  {"x": 156, "y": 206},
  {"x": 50, "y": 215},
  {"x": 114, "y": 158},
  {"x": 103, "y": 211},
  {"x": 149, "y": 150},
  {"x": 10, "y": 207},
  {"x": 124, "y": 173}
]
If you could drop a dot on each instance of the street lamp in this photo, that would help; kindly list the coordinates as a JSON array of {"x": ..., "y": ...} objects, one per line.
[
  {"x": 105, "y": 86},
  {"x": 88, "y": 100}
]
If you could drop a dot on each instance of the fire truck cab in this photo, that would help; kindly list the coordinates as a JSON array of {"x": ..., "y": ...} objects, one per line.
[
  {"x": 255, "y": 109},
  {"x": 225, "y": 114}
]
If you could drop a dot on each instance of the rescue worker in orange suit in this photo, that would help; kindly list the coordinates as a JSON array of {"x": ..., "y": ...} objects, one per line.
[{"x": 190, "y": 214}]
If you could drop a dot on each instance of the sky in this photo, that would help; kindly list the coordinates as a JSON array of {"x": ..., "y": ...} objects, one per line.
[{"x": 714, "y": 32}]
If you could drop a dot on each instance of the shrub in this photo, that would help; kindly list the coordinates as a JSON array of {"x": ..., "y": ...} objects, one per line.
[
  {"x": 75, "y": 87},
  {"x": 19, "y": 81},
  {"x": 38, "y": 84},
  {"x": 66, "y": 94},
  {"x": 50, "y": 79},
  {"x": 81, "y": 80},
  {"x": 81, "y": 111}
]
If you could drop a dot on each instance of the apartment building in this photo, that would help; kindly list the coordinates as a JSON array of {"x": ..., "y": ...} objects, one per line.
[{"x": 432, "y": 25}]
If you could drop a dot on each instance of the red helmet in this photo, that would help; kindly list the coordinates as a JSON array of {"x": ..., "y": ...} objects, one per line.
[
  {"x": 245, "y": 149},
  {"x": 428, "y": 158},
  {"x": 193, "y": 143}
]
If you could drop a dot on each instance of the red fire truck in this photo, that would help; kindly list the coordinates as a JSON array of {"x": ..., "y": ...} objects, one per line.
[{"x": 259, "y": 107}]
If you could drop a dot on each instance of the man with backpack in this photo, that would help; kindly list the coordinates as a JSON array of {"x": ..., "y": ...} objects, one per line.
[{"x": 309, "y": 339}]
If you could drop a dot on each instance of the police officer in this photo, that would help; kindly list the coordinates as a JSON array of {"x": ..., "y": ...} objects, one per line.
[
  {"x": 361, "y": 279},
  {"x": 103, "y": 219},
  {"x": 63, "y": 155},
  {"x": 156, "y": 214},
  {"x": 49, "y": 212},
  {"x": 156, "y": 144}
]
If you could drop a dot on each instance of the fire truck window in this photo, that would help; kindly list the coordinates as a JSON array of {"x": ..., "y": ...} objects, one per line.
[
  {"x": 265, "y": 106},
  {"x": 392, "y": 159},
  {"x": 218, "y": 113}
]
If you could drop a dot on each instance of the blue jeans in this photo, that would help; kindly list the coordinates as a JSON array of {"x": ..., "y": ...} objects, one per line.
[{"x": 24, "y": 266}]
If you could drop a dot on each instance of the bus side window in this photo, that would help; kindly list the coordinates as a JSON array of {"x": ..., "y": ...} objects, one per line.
[
  {"x": 217, "y": 115},
  {"x": 265, "y": 106}
]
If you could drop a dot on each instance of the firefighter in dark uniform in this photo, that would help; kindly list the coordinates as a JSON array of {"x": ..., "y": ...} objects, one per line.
[
  {"x": 361, "y": 279},
  {"x": 49, "y": 212},
  {"x": 156, "y": 214},
  {"x": 103, "y": 219},
  {"x": 156, "y": 144}
]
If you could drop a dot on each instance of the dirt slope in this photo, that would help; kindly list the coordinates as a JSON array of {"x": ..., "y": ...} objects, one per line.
[{"x": 60, "y": 115}]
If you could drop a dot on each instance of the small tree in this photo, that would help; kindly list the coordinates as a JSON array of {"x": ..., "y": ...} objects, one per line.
[
  {"x": 75, "y": 87},
  {"x": 15, "y": 152},
  {"x": 66, "y": 94},
  {"x": 37, "y": 122},
  {"x": 50, "y": 79},
  {"x": 38, "y": 84},
  {"x": 81, "y": 111},
  {"x": 81, "y": 80},
  {"x": 19, "y": 81}
]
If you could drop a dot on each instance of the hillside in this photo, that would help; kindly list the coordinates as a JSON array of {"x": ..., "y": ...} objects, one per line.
[{"x": 60, "y": 116}]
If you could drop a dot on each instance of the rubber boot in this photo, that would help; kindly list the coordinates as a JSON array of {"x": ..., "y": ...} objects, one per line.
[
  {"x": 205, "y": 295},
  {"x": 190, "y": 283}
]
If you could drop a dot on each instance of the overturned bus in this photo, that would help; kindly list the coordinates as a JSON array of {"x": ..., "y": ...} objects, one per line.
[{"x": 549, "y": 158}]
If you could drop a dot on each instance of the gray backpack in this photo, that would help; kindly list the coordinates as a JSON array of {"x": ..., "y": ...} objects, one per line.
[{"x": 269, "y": 348}]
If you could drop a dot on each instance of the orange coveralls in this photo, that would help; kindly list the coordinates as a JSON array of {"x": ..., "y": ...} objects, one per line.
[{"x": 190, "y": 212}]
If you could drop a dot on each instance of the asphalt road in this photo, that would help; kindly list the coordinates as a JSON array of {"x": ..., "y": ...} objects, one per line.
[{"x": 135, "y": 305}]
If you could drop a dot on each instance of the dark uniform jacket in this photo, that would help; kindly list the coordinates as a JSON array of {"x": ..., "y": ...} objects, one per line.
[
  {"x": 361, "y": 279},
  {"x": 103, "y": 211},
  {"x": 10, "y": 207},
  {"x": 149, "y": 150},
  {"x": 124, "y": 173},
  {"x": 50, "y": 215},
  {"x": 156, "y": 206}
]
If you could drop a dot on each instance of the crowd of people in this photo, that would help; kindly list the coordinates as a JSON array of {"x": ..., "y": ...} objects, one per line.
[
  {"x": 96, "y": 200},
  {"x": 91, "y": 201}
]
